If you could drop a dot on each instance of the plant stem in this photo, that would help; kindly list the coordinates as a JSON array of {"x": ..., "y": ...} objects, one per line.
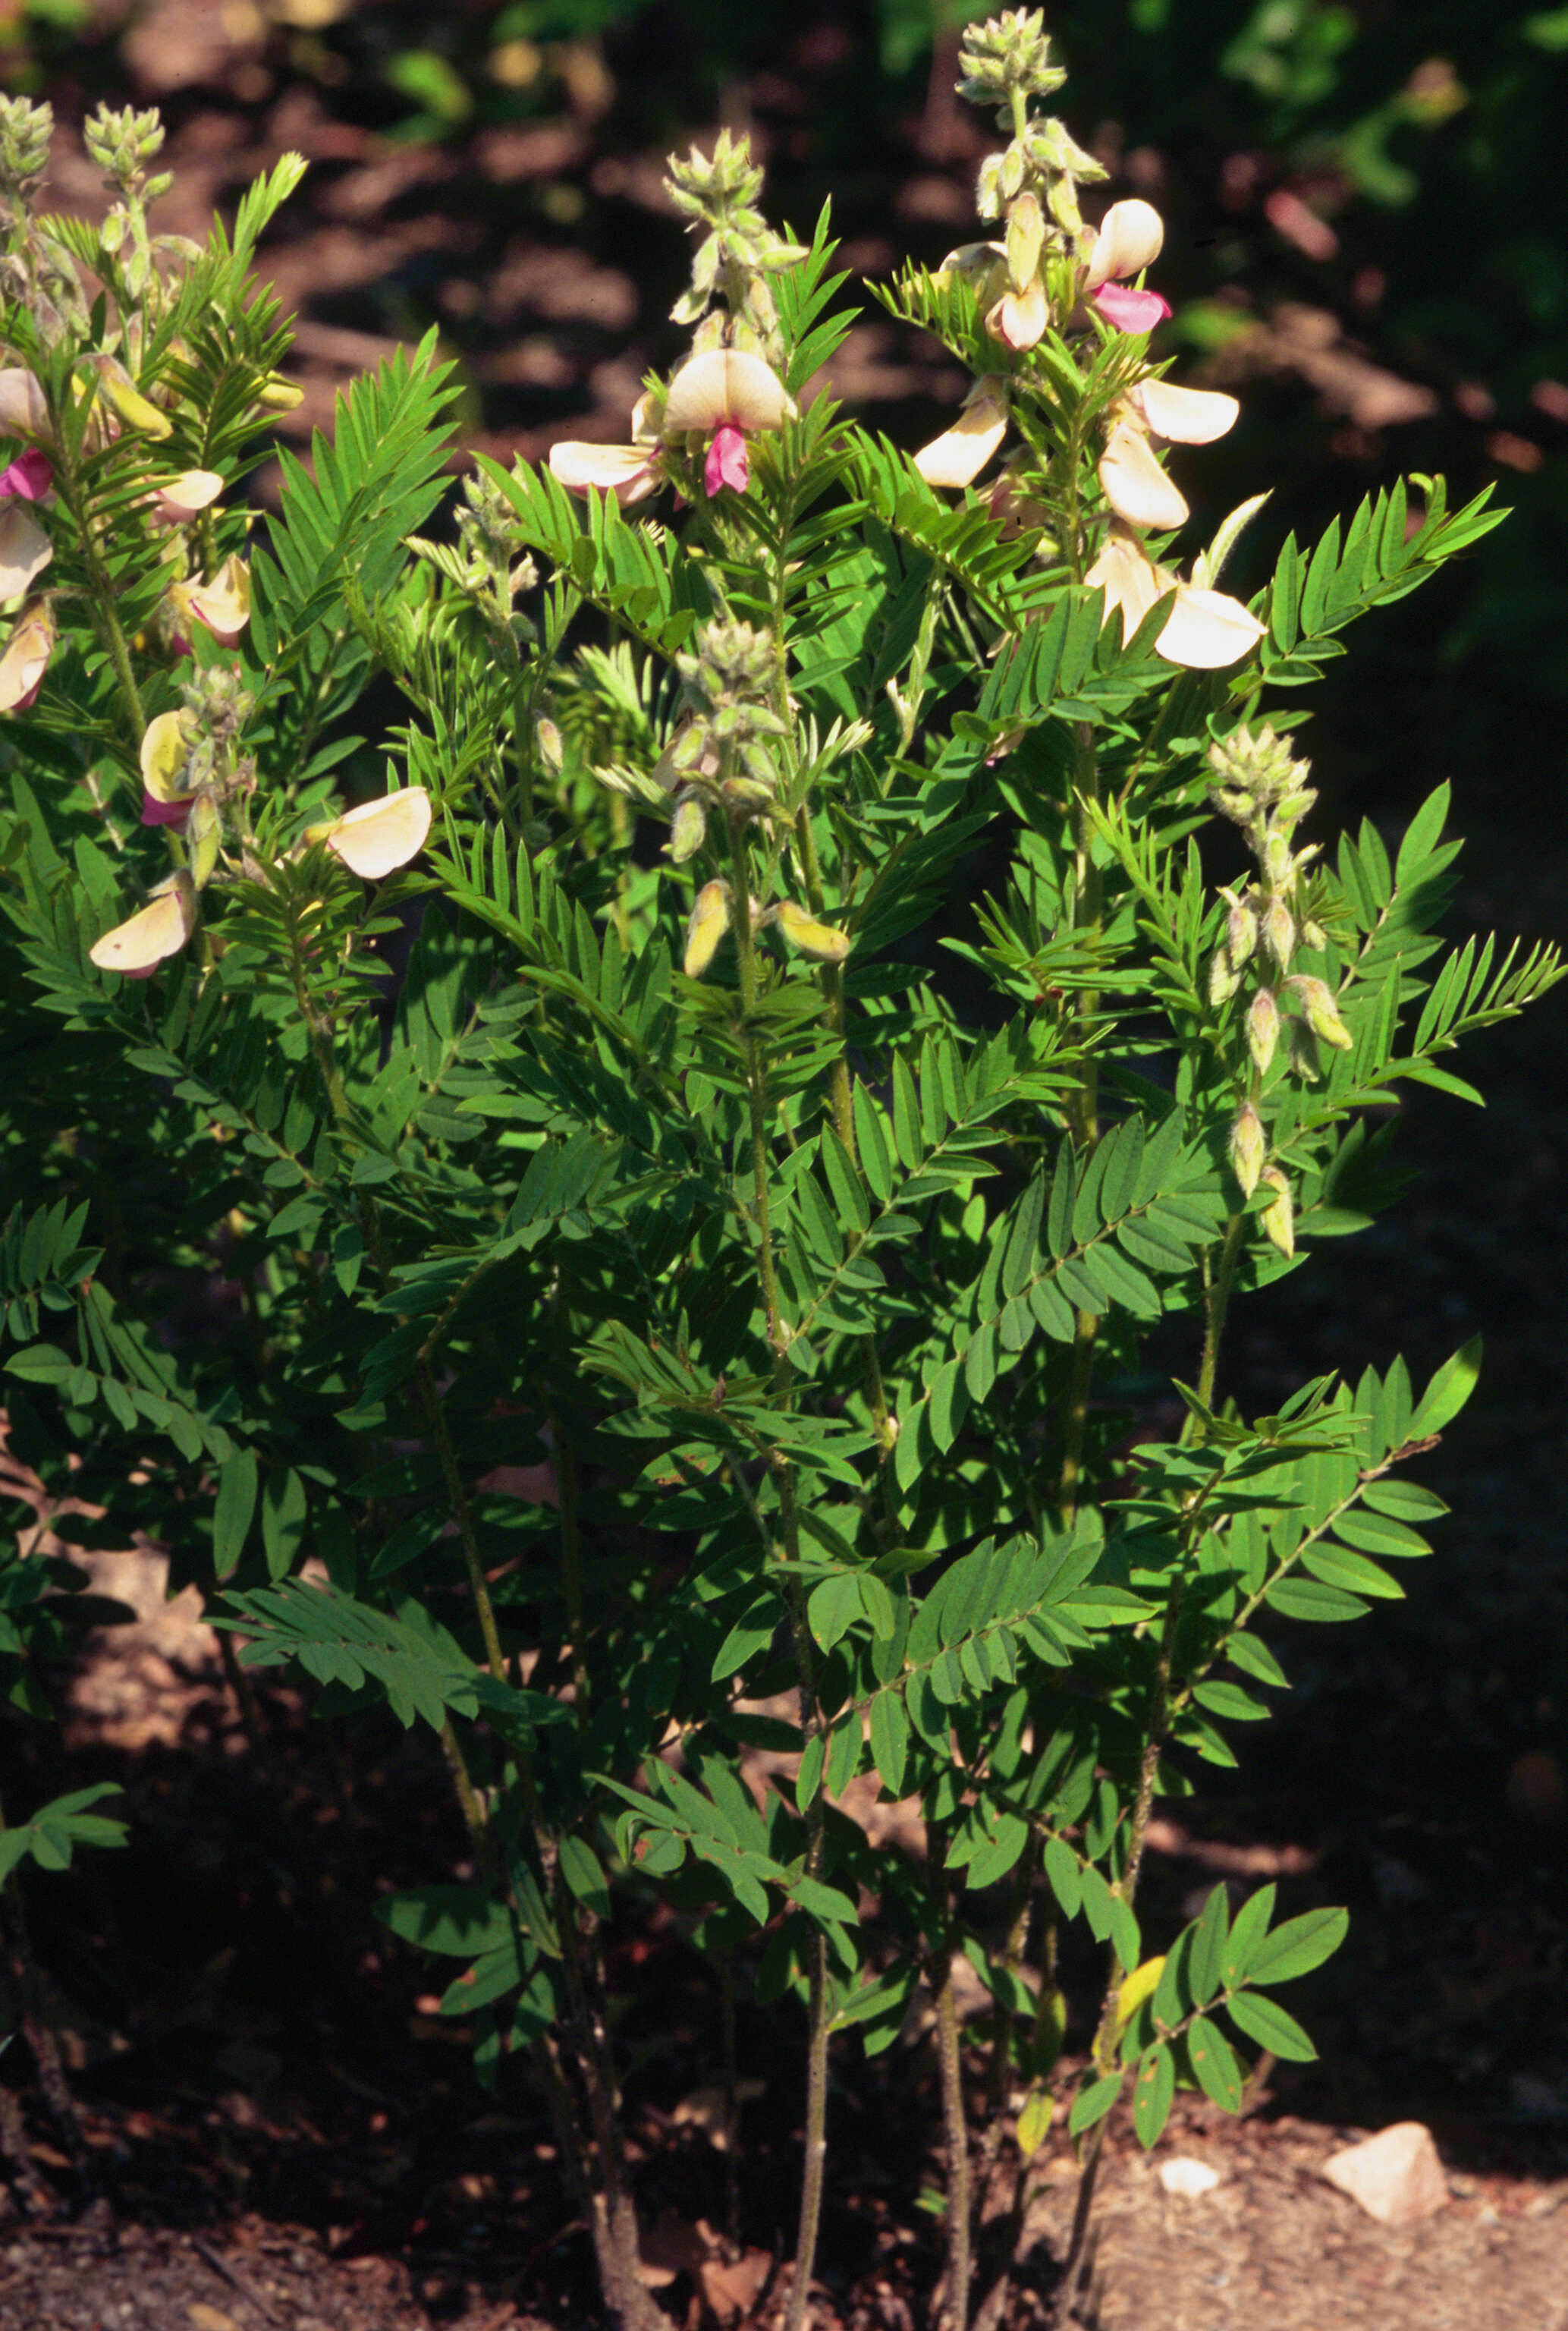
[
  {"x": 842, "y": 1098},
  {"x": 955, "y": 2128},
  {"x": 100, "y": 590},
  {"x": 1087, "y": 907},
  {"x": 1217, "y": 1286},
  {"x": 815, "y": 2166}
]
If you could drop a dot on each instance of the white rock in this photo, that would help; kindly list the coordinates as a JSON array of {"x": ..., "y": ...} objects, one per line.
[
  {"x": 1395, "y": 2176},
  {"x": 1187, "y": 2178}
]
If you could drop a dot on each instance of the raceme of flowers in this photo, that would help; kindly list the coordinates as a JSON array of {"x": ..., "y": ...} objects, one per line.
[{"x": 1205, "y": 629}]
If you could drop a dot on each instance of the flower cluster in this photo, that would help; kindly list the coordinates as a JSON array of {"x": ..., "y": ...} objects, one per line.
[
  {"x": 1259, "y": 788},
  {"x": 1051, "y": 274},
  {"x": 726, "y": 389}
]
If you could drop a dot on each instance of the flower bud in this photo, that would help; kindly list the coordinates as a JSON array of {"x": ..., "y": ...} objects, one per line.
[
  {"x": 1301, "y": 1051},
  {"x": 690, "y": 829},
  {"x": 1262, "y": 1029},
  {"x": 1240, "y": 931},
  {"x": 552, "y": 752},
  {"x": 1317, "y": 1002},
  {"x": 1025, "y": 241},
  {"x": 1247, "y": 1149},
  {"x": 1224, "y": 979},
  {"x": 1279, "y": 932},
  {"x": 204, "y": 832},
  {"x": 1278, "y": 1216},
  {"x": 819, "y": 940},
  {"x": 709, "y": 923},
  {"x": 277, "y": 395}
]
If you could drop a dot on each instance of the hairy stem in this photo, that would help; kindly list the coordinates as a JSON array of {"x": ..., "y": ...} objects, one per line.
[
  {"x": 1088, "y": 904},
  {"x": 815, "y": 2162},
  {"x": 955, "y": 2133}
]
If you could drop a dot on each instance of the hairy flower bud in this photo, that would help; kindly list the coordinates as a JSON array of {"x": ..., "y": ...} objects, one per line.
[
  {"x": 1316, "y": 1004},
  {"x": 1278, "y": 1216},
  {"x": 1262, "y": 1029},
  {"x": 709, "y": 923},
  {"x": 25, "y": 130},
  {"x": 819, "y": 940},
  {"x": 1224, "y": 979},
  {"x": 1007, "y": 52},
  {"x": 688, "y": 829},
  {"x": 1025, "y": 241},
  {"x": 1279, "y": 932},
  {"x": 1301, "y": 1051},
  {"x": 1240, "y": 931},
  {"x": 1247, "y": 1149}
]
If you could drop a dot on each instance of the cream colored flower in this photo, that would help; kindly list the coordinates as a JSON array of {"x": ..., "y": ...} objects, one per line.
[
  {"x": 26, "y": 658},
  {"x": 1130, "y": 238},
  {"x": 25, "y": 550},
  {"x": 379, "y": 836},
  {"x": 161, "y": 929},
  {"x": 1205, "y": 631},
  {"x": 1183, "y": 417},
  {"x": 957, "y": 457},
  {"x": 1019, "y": 319},
  {"x": 176, "y": 500},
  {"x": 223, "y": 605},
  {"x": 22, "y": 411},
  {"x": 1136, "y": 488}
]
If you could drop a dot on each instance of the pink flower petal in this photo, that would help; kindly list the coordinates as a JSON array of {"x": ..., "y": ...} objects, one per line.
[
  {"x": 726, "y": 464},
  {"x": 157, "y": 812},
  {"x": 1129, "y": 310},
  {"x": 29, "y": 478}
]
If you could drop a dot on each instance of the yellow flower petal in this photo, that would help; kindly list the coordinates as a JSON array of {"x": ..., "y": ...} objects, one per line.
[
  {"x": 160, "y": 929},
  {"x": 135, "y": 411},
  {"x": 164, "y": 749},
  {"x": 224, "y": 604},
  {"x": 1136, "y": 486}
]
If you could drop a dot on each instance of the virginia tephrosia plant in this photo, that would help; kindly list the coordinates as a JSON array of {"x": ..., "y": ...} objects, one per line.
[{"x": 637, "y": 1090}]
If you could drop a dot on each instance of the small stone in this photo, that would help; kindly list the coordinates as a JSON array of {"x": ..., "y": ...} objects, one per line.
[
  {"x": 1189, "y": 2179},
  {"x": 1395, "y": 2176}
]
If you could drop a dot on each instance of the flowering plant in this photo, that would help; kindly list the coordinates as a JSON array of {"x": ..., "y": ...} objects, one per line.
[{"x": 629, "y": 1124}]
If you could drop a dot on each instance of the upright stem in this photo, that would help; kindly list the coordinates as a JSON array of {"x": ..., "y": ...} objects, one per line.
[
  {"x": 1087, "y": 908},
  {"x": 100, "y": 588},
  {"x": 955, "y": 2124},
  {"x": 840, "y": 1091},
  {"x": 814, "y": 2167}
]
